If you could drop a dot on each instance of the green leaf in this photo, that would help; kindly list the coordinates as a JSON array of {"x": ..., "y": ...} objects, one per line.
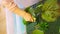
[
  {"x": 49, "y": 16},
  {"x": 38, "y": 8},
  {"x": 49, "y": 4},
  {"x": 25, "y": 22},
  {"x": 43, "y": 25},
  {"x": 32, "y": 11},
  {"x": 37, "y": 32}
]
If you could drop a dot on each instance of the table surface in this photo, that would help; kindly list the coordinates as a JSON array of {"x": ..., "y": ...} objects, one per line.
[{"x": 2, "y": 23}]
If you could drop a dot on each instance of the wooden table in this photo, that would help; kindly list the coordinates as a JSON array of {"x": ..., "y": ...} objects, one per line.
[{"x": 2, "y": 23}]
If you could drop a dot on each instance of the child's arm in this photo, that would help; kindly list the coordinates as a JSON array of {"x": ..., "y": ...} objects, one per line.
[
  {"x": 13, "y": 7},
  {"x": 23, "y": 13}
]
